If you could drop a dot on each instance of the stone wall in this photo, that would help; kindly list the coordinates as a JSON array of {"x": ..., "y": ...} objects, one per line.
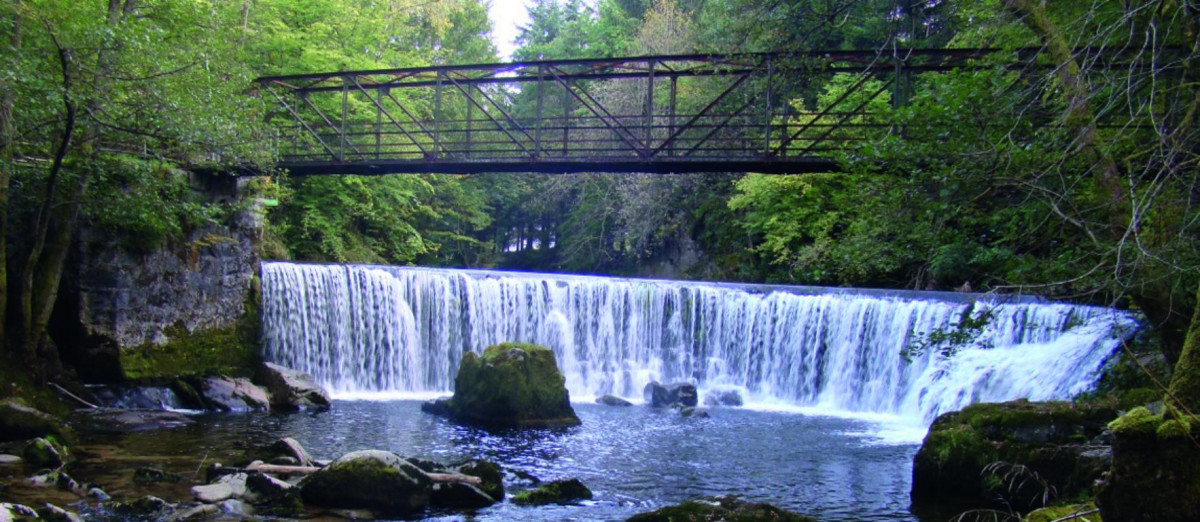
[{"x": 115, "y": 300}]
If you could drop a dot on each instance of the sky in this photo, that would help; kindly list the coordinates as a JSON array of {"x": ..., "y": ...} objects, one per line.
[{"x": 507, "y": 16}]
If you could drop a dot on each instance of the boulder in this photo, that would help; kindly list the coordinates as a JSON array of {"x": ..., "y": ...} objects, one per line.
[
  {"x": 147, "y": 507},
  {"x": 233, "y": 394},
  {"x": 510, "y": 385},
  {"x": 212, "y": 493},
  {"x": 1155, "y": 472},
  {"x": 292, "y": 390},
  {"x": 721, "y": 508},
  {"x": 490, "y": 473},
  {"x": 286, "y": 452},
  {"x": 1014, "y": 452},
  {"x": 667, "y": 395},
  {"x": 45, "y": 453},
  {"x": 723, "y": 398},
  {"x": 556, "y": 492},
  {"x": 380, "y": 481},
  {"x": 146, "y": 475},
  {"x": 201, "y": 512},
  {"x": 612, "y": 400},
  {"x": 459, "y": 496},
  {"x": 9, "y": 459},
  {"x": 21, "y": 422},
  {"x": 439, "y": 406}
]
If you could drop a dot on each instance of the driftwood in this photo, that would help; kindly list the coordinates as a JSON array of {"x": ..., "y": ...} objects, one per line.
[{"x": 309, "y": 470}]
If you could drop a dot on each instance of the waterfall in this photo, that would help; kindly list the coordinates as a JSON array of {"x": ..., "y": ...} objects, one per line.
[{"x": 401, "y": 329}]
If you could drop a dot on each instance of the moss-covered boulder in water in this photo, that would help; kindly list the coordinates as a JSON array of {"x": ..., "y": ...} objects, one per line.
[
  {"x": 557, "y": 492},
  {"x": 1013, "y": 451},
  {"x": 46, "y": 453},
  {"x": 511, "y": 385},
  {"x": 731, "y": 509},
  {"x": 379, "y": 481},
  {"x": 1155, "y": 468}
]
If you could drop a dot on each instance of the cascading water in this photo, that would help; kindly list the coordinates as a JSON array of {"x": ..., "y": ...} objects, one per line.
[{"x": 394, "y": 329}]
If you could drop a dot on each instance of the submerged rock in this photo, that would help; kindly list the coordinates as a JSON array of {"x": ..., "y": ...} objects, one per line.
[
  {"x": 510, "y": 385},
  {"x": 53, "y": 513},
  {"x": 376, "y": 480},
  {"x": 460, "y": 496},
  {"x": 721, "y": 508},
  {"x": 292, "y": 390},
  {"x": 555, "y": 492},
  {"x": 18, "y": 421},
  {"x": 148, "y": 475},
  {"x": 667, "y": 395},
  {"x": 119, "y": 421},
  {"x": 147, "y": 507},
  {"x": 45, "y": 453},
  {"x": 233, "y": 394},
  {"x": 612, "y": 400},
  {"x": 723, "y": 398},
  {"x": 1015, "y": 451}
]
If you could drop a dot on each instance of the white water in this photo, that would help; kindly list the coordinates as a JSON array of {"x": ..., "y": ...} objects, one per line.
[{"x": 402, "y": 331}]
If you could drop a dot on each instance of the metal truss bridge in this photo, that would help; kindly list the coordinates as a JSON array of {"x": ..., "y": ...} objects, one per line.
[{"x": 768, "y": 113}]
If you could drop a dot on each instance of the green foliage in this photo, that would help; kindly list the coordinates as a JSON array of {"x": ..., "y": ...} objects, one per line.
[{"x": 947, "y": 341}]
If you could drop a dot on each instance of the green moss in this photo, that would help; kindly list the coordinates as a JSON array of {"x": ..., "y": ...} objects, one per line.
[
  {"x": 230, "y": 350},
  {"x": 1052, "y": 513},
  {"x": 512, "y": 384},
  {"x": 557, "y": 492},
  {"x": 961, "y": 443},
  {"x": 728, "y": 509},
  {"x": 1139, "y": 421},
  {"x": 1173, "y": 429}
]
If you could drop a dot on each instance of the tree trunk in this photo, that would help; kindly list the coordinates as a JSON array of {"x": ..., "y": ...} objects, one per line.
[
  {"x": 1185, "y": 381},
  {"x": 7, "y": 153}
]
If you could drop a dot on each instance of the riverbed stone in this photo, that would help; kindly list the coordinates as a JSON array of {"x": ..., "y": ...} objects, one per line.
[
  {"x": 145, "y": 475},
  {"x": 6, "y": 459},
  {"x": 511, "y": 385},
  {"x": 10, "y": 511},
  {"x": 120, "y": 421},
  {"x": 53, "y": 513},
  {"x": 287, "y": 447},
  {"x": 658, "y": 395},
  {"x": 45, "y": 453},
  {"x": 1013, "y": 451},
  {"x": 490, "y": 473},
  {"x": 147, "y": 507},
  {"x": 612, "y": 400},
  {"x": 721, "y": 508},
  {"x": 19, "y": 421},
  {"x": 563, "y": 491},
  {"x": 292, "y": 390},
  {"x": 194, "y": 513},
  {"x": 459, "y": 496},
  {"x": 212, "y": 493},
  {"x": 234, "y": 394},
  {"x": 375, "y": 480}
]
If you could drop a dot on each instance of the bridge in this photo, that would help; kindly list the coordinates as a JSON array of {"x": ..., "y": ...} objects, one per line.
[{"x": 657, "y": 114}]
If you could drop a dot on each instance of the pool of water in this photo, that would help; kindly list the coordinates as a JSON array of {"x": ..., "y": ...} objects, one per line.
[{"x": 634, "y": 459}]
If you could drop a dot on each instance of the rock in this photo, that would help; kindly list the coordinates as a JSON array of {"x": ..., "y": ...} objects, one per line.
[
  {"x": 233, "y": 394},
  {"x": 992, "y": 451},
  {"x": 234, "y": 507},
  {"x": 121, "y": 421},
  {"x": 147, "y": 507},
  {"x": 16, "y": 512},
  {"x": 212, "y": 493},
  {"x": 201, "y": 512},
  {"x": 268, "y": 488},
  {"x": 723, "y": 398},
  {"x": 667, "y": 395},
  {"x": 693, "y": 412},
  {"x": 9, "y": 459},
  {"x": 53, "y": 513},
  {"x": 439, "y": 407},
  {"x": 21, "y": 422},
  {"x": 459, "y": 496},
  {"x": 1155, "y": 472},
  {"x": 292, "y": 390},
  {"x": 556, "y": 492},
  {"x": 721, "y": 508},
  {"x": 43, "y": 453},
  {"x": 510, "y": 385},
  {"x": 612, "y": 400},
  {"x": 54, "y": 479},
  {"x": 1053, "y": 514},
  {"x": 149, "y": 475},
  {"x": 98, "y": 494},
  {"x": 491, "y": 474},
  {"x": 237, "y": 485},
  {"x": 287, "y": 447},
  {"x": 376, "y": 480}
]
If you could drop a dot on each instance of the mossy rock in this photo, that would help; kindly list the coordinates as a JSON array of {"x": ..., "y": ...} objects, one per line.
[
  {"x": 557, "y": 492},
  {"x": 965, "y": 453},
  {"x": 18, "y": 421},
  {"x": 379, "y": 481},
  {"x": 46, "y": 453},
  {"x": 731, "y": 509},
  {"x": 511, "y": 385},
  {"x": 1155, "y": 475},
  {"x": 490, "y": 473},
  {"x": 1052, "y": 513}
]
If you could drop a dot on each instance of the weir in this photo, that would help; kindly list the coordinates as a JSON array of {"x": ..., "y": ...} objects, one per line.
[{"x": 402, "y": 329}]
